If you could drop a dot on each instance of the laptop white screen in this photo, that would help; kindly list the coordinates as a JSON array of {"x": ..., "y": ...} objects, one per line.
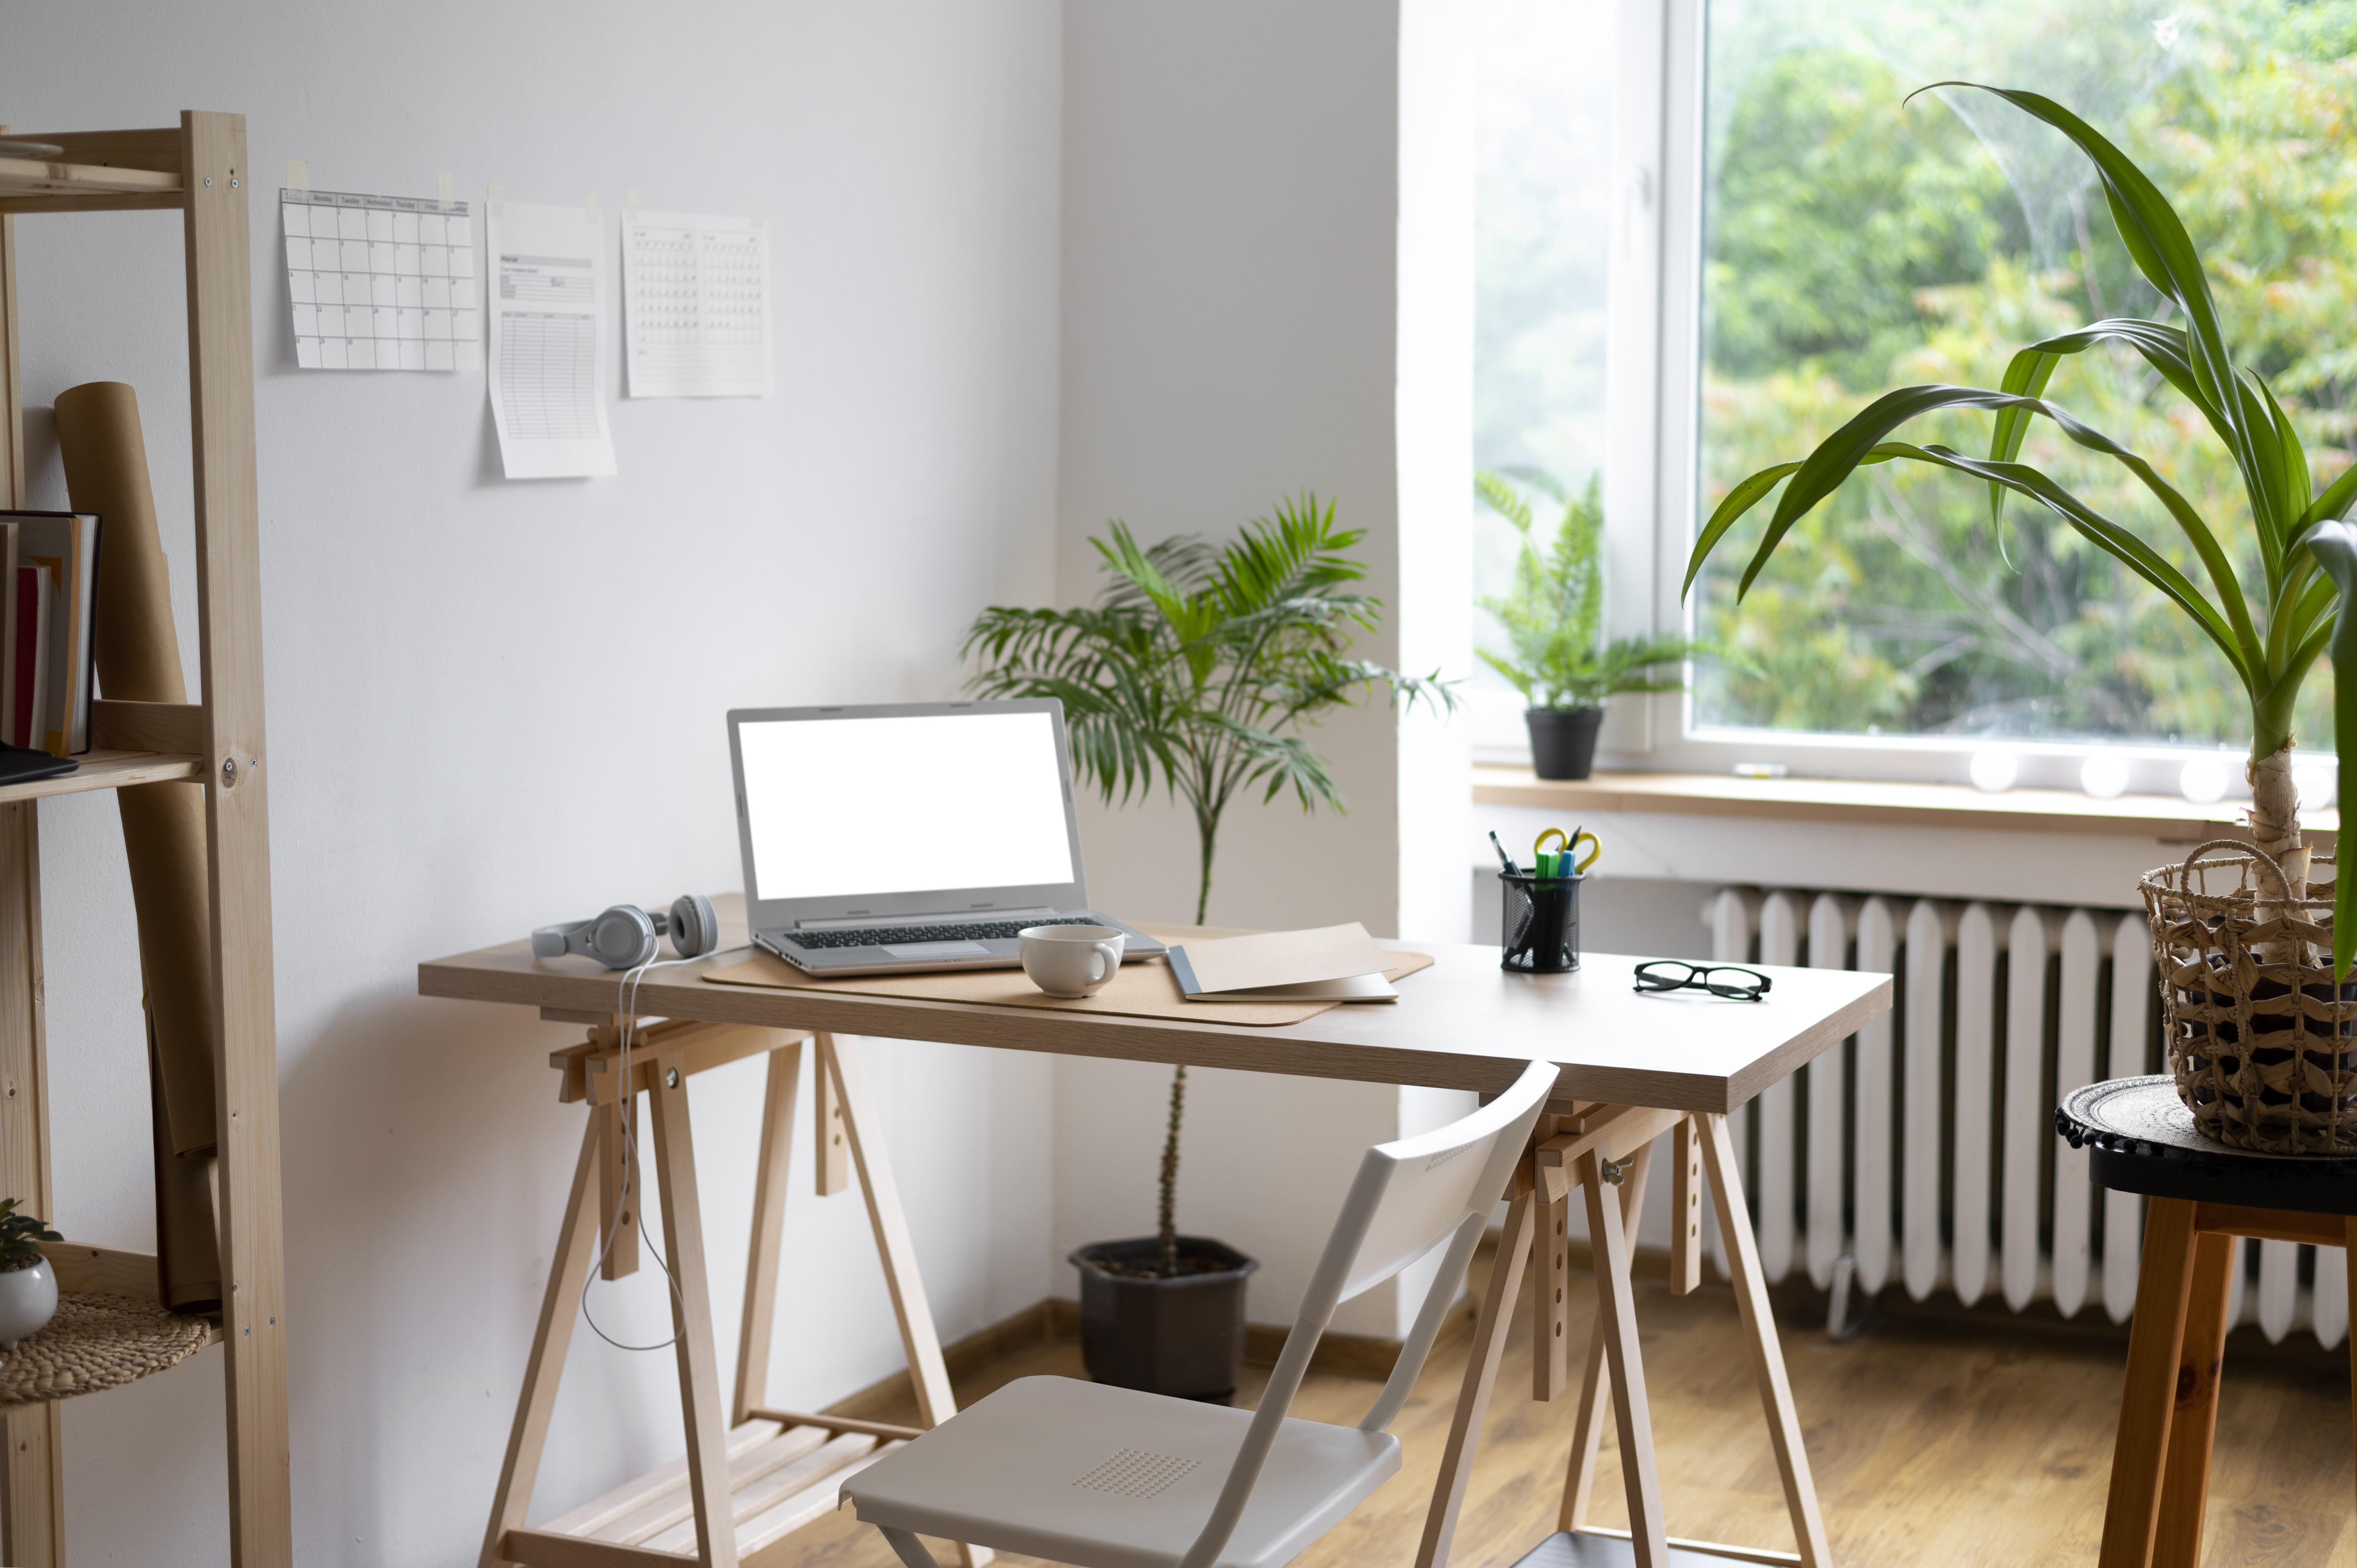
[{"x": 841, "y": 808}]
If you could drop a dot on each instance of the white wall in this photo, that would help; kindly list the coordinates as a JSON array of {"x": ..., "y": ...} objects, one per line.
[
  {"x": 493, "y": 704},
  {"x": 1236, "y": 232}
]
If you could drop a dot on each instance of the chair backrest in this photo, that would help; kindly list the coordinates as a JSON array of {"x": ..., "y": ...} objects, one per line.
[{"x": 1409, "y": 1197}]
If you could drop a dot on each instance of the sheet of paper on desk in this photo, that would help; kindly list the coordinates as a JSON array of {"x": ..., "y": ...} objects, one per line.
[
  {"x": 695, "y": 304},
  {"x": 1338, "y": 964},
  {"x": 381, "y": 283},
  {"x": 548, "y": 303}
]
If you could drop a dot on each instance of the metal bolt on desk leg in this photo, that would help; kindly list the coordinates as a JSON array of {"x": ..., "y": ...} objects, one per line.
[
  {"x": 1613, "y": 1172},
  {"x": 671, "y": 1079},
  {"x": 228, "y": 772}
]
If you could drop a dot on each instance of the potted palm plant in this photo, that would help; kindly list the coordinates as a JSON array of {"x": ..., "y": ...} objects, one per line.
[
  {"x": 1555, "y": 654},
  {"x": 2249, "y": 976},
  {"x": 1198, "y": 668}
]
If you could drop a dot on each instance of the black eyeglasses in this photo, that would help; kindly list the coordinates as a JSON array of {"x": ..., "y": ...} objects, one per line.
[{"x": 1675, "y": 974}]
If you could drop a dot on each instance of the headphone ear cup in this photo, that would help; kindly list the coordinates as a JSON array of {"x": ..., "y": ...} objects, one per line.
[
  {"x": 694, "y": 927},
  {"x": 622, "y": 937}
]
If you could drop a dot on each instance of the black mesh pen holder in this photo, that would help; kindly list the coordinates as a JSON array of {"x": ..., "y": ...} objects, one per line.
[{"x": 1541, "y": 924}]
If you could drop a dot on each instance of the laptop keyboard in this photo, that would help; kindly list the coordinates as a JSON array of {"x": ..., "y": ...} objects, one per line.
[{"x": 963, "y": 931}]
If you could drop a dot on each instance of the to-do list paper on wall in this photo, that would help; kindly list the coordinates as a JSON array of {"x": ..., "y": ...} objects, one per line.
[
  {"x": 696, "y": 300},
  {"x": 549, "y": 288},
  {"x": 381, "y": 283}
]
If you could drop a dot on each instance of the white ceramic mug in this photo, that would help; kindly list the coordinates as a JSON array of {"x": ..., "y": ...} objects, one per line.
[{"x": 1072, "y": 960}]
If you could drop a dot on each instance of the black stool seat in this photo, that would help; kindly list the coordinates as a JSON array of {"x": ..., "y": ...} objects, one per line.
[{"x": 2139, "y": 1137}]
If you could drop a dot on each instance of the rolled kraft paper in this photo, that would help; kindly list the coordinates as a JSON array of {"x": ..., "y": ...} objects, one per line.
[
  {"x": 188, "y": 1247},
  {"x": 138, "y": 657}
]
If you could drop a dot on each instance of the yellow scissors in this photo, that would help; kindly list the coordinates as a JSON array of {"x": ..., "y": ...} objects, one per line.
[{"x": 1568, "y": 847}]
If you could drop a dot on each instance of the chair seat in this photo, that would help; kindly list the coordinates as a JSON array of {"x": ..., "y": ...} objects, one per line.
[{"x": 1107, "y": 1478}]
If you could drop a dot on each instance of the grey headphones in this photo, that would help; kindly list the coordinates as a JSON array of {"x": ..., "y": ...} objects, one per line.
[{"x": 624, "y": 936}]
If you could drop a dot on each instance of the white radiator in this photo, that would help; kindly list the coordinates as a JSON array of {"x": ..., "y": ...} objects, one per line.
[{"x": 1922, "y": 1151}]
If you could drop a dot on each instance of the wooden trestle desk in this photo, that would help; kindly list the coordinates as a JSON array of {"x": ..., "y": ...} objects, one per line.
[{"x": 1632, "y": 1067}]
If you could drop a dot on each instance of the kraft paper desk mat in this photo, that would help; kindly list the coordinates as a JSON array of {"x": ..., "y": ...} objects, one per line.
[{"x": 1143, "y": 990}]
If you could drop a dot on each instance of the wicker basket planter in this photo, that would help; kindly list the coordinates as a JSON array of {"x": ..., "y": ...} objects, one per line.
[{"x": 2261, "y": 1043}]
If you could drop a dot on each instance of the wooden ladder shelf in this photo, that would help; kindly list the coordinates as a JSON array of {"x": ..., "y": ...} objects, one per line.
[{"x": 198, "y": 169}]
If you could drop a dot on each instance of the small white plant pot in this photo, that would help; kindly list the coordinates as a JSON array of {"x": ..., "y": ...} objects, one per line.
[{"x": 29, "y": 1299}]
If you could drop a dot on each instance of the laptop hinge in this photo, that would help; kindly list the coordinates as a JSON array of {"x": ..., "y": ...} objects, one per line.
[{"x": 921, "y": 918}]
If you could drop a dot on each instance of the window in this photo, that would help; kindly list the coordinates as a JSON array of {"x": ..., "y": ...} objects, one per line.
[
  {"x": 1542, "y": 120},
  {"x": 1821, "y": 239}
]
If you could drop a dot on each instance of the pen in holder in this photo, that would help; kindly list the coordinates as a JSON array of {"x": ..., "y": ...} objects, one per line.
[{"x": 1541, "y": 922}]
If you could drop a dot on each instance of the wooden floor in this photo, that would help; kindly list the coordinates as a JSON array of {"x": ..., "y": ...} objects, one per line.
[{"x": 1934, "y": 1442}]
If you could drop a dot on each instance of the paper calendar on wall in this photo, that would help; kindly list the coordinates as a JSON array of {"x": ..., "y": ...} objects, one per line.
[
  {"x": 382, "y": 283},
  {"x": 695, "y": 298}
]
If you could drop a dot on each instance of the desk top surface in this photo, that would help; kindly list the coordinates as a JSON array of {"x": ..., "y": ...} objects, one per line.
[{"x": 1462, "y": 1024}]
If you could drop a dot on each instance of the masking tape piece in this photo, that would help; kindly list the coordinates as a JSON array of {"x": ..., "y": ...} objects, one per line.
[
  {"x": 630, "y": 199},
  {"x": 299, "y": 174},
  {"x": 445, "y": 187}
]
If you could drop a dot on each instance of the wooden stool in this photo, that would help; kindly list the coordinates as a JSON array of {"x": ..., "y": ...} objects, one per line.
[
  {"x": 752, "y": 1475},
  {"x": 2140, "y": 1138}
]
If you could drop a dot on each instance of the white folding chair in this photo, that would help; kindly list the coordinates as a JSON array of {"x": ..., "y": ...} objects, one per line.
[{"x": 1108, "y": 1478}]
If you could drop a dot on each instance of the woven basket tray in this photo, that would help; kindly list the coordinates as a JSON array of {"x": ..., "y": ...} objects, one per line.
[
  {"x": 2262, "y": 1044},
  {"x": 97, "y": 1342}
]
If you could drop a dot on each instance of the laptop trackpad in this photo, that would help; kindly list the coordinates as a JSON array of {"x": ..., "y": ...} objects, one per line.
[{"x": 938, "y": 950}]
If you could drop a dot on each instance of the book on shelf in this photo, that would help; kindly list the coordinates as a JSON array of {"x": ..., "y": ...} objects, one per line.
[
  {"x": 7, "y": 632},
  {"x": 64, "y": 546},
  {"x": 30, "y": 685}
]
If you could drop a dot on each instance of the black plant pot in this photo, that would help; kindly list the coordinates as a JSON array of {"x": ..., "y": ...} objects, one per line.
[
  {"x": 1562, "y": 740},
  {"x": 1182, "y": 1337}
]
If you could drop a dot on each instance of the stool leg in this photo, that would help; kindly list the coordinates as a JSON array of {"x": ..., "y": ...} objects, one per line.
[
  {"x": 2349, "y": 1261},
  {"x": 2184, "y": 1479},
  {"x": 2148, "y": 1399}
]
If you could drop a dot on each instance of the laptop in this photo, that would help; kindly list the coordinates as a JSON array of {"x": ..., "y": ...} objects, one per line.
[{"x": 908, "y": 836}]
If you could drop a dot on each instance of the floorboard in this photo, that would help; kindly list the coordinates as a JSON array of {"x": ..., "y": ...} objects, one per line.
[{"x": 1935, "y": 1442}]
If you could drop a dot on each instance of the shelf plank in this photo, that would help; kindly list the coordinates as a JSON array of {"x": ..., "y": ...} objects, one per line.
[
  {"x": 109, "y": 770},
  {"x": 40, "y": 176},
  {"x": 147, "y": 726}
]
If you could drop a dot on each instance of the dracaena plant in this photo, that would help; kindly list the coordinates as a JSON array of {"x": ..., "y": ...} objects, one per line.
[
  {"x": 2270, "y": 628},
  {"x": 1556, "y": 655},
  {"x": 1198, "y": 668}
]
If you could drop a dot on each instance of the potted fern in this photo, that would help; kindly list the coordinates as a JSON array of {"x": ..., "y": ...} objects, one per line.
[
  {"x": 2251, "y": 975},
  {"x": 29, "y": 1287},
  {"x": 1199, "y": 668},
  {"x": 1554, "y": 621}
]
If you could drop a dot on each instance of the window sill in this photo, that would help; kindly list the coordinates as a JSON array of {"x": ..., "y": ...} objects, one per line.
[{"x": 2168, "y": 818}]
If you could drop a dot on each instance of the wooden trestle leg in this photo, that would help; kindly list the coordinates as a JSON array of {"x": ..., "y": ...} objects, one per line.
[
  {"x": 560, "y": 1304},
  {"x": 1481, "y": 1376},
  {"x": 691, "y": 1306},
  {"x": 1595, "y": 1387},
  {"x": 747, "y": 1465},
  {"x": 1767, "y": 1352},
  {"x": 839, "y": 1060},
  {"x": 1615, "y": 1371}
]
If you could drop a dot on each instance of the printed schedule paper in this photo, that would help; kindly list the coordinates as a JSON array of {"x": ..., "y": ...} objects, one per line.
[
  {"x": 549, "y": 288},
  {"x": 381, "y": 283},
  {"x": 695, "y": 298}
]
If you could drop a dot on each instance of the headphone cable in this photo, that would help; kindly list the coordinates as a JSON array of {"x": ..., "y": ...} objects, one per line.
[{"x": 626, "y": 998}]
